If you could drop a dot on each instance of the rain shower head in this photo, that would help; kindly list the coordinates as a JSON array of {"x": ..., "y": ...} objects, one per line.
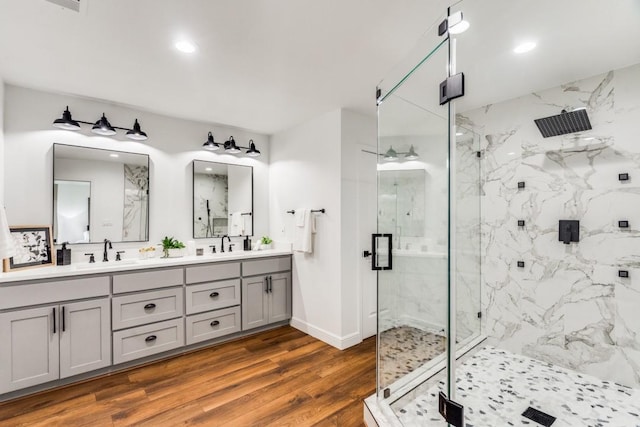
[{"x": 564, "y": 123}]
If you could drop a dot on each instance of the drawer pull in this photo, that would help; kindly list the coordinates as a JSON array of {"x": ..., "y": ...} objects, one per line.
[
  {"x": 150, "y": 338},
  {"x": 150, "y": 306},
  {"x": 215, "y": 323},
  {"x": 214, "y": 294}
]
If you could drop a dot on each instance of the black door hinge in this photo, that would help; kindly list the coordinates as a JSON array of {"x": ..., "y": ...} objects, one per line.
[
  {"x": 378, "y": 95},
  {"x": 451, "y": 411},
  {"x": 478, "y": 154},
  {"x": 452, "y": 88}
]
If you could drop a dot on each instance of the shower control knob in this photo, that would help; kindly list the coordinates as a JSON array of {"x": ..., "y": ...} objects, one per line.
[{"x": 366, "y": 254}]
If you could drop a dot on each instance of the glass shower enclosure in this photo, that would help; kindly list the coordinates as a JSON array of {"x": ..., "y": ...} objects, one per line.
[{"x": 427, "y": 250}]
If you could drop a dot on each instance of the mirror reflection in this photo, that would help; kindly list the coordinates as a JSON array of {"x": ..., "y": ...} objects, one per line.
[
  {"x": 222, "y": 199},
  {"x": 99, "y": 194}
]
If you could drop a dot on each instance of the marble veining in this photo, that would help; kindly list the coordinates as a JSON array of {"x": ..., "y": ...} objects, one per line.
[
  {"x": 496, "y": 386},
  {"x": 211, "y": 189},
  {"x": 567, "y": 305},
  {"x": 136, "y": 195}
]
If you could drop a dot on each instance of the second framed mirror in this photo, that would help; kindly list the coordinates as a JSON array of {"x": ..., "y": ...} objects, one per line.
[{"x": 222, "y": 200}]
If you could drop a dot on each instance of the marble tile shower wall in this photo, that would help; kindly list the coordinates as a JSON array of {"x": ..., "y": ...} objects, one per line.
[
  {"x": 136, "y": 194},
  {"x": 567, "y": 305}
]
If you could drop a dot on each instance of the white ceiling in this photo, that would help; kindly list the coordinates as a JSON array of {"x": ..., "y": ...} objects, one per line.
[
  {"x": 263, "y": 65},
  {"x": 266, "y": 65}
]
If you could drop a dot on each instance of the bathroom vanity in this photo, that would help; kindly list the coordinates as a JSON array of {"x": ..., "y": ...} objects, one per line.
[{"x": 63, "y": 324}]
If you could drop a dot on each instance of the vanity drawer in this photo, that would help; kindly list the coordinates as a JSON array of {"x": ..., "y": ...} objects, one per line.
[
  {"x": 263, "y": 266},
  {"x": 146, "y": 340},
  {"x": 212, "y": 296},
  {"x": 207, "y": 273},
  {"x": 146, "y": 307},
  {"x": 54, "y": 291},
  {"x": 206, "y": 326},
  {"x": 146, "y": 280}
]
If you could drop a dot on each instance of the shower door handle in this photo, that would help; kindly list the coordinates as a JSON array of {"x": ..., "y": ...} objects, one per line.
[{"x": 375, "y": 265}]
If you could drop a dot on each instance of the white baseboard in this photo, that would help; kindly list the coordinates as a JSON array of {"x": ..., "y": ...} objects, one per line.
[{"x": 336, "y": 341}]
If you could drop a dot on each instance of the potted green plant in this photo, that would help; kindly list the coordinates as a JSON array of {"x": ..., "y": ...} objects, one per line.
[
  {"x": 172, "y": 247},
  {"x": 265, "y": 242}
]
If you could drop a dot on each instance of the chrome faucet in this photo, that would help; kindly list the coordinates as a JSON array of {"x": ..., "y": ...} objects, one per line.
[
  {"x": 222, "y": 242},
  {"x": 105, "y": 253}
]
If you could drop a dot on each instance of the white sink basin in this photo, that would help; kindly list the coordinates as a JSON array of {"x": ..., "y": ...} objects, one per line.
[{"x": 96, "y": 265}]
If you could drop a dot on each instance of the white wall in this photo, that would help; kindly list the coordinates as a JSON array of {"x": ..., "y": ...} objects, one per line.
[
  {"x": 305, "y": 173},
  {"x": 2, "y": 156},
  {"x": 358, "y": 131},
  {"x": 314, "y": 166},
  {"x": 172, "y": 145}
]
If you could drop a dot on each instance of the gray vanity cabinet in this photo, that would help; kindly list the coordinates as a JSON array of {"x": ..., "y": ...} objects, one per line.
[
  {"x": 57, "y": 341},
  {"x": 266, "y": 297}
]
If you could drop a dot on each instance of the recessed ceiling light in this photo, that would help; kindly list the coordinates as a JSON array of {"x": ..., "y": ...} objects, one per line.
[
  {"x": 524, "y": 47},
  {"x": 589, "y": 138},
  {"x": 113, "y": 155},
  {"x": 459, "y": 133},
  {"x": 208, "y": 169},
  {"x": 185, "y": 46}
]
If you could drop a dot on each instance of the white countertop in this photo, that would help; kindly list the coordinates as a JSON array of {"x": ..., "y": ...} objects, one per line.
[{"x": 80, "y": 269}]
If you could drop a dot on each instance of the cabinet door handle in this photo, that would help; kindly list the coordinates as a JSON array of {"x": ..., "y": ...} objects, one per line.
[
  {"x": 266, "y": 284},
  {"x": 214, "y": 294},
  {"x": 54, "y": 320},
  {"x": 215, "y": 323},
  {"x": 150, "y": 306},
  {"x": 150, "y": 338},
  {"x": 62, "y": 320}
]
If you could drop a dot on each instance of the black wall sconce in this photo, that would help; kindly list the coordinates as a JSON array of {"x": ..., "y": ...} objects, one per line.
[
  {"x": 230, "y": 146},
  {"x": 99, "y": 127}
]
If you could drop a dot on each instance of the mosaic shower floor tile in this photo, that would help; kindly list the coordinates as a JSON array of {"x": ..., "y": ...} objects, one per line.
[
  {"x": 496, "y": 387},
  {"x": 404, "y": 349}
]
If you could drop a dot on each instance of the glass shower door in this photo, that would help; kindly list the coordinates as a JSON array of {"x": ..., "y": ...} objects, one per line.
[{"x": 411, "y": 250}]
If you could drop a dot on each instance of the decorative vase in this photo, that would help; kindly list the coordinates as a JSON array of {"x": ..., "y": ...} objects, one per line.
[{"x": 173, "y": 253}]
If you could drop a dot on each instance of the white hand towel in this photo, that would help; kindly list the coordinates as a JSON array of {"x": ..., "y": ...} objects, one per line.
[
  {"x": 303, "y": 235},
  {"x": 7, "y": 248},
  {"x": 237, "y": 224}
]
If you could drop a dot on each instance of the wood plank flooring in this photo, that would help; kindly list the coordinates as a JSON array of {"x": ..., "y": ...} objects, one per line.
[{"x": 276, "y": 378}]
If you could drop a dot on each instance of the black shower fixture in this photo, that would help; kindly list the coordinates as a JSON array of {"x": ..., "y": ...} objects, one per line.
[
  {"x": 99, "y": 127},
  {"x": 564, "y": 123},
  {"x": 521, "y": 223},
  {"x": 568, "y": 231},
  {"x": 521, "y": 184},
  {"x": 623, "y": 177}
]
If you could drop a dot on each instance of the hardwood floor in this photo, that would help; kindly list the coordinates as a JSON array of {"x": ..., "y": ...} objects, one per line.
[{"x": 276, "y": 378}]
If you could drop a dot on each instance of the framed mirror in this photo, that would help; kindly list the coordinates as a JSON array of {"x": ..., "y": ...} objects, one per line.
[
  {"x": 222, "y": 200},
  {"x": 99, "y": 194}
]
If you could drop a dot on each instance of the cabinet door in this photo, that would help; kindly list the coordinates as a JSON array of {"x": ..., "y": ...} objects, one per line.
[
  {"x": 29, "y": 348},
  {"x": 85, "y": 337},
  {"x": 255, "y": 304},
  {"x": 280, "y": 297}
]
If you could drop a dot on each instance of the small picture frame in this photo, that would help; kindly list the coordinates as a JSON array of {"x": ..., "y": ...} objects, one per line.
[{"x": 34, "y": 247}]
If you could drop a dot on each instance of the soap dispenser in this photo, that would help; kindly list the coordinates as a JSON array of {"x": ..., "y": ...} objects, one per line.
[
  {"x": 247, "y": 243},
  {"x": 63, "y": 256}
]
